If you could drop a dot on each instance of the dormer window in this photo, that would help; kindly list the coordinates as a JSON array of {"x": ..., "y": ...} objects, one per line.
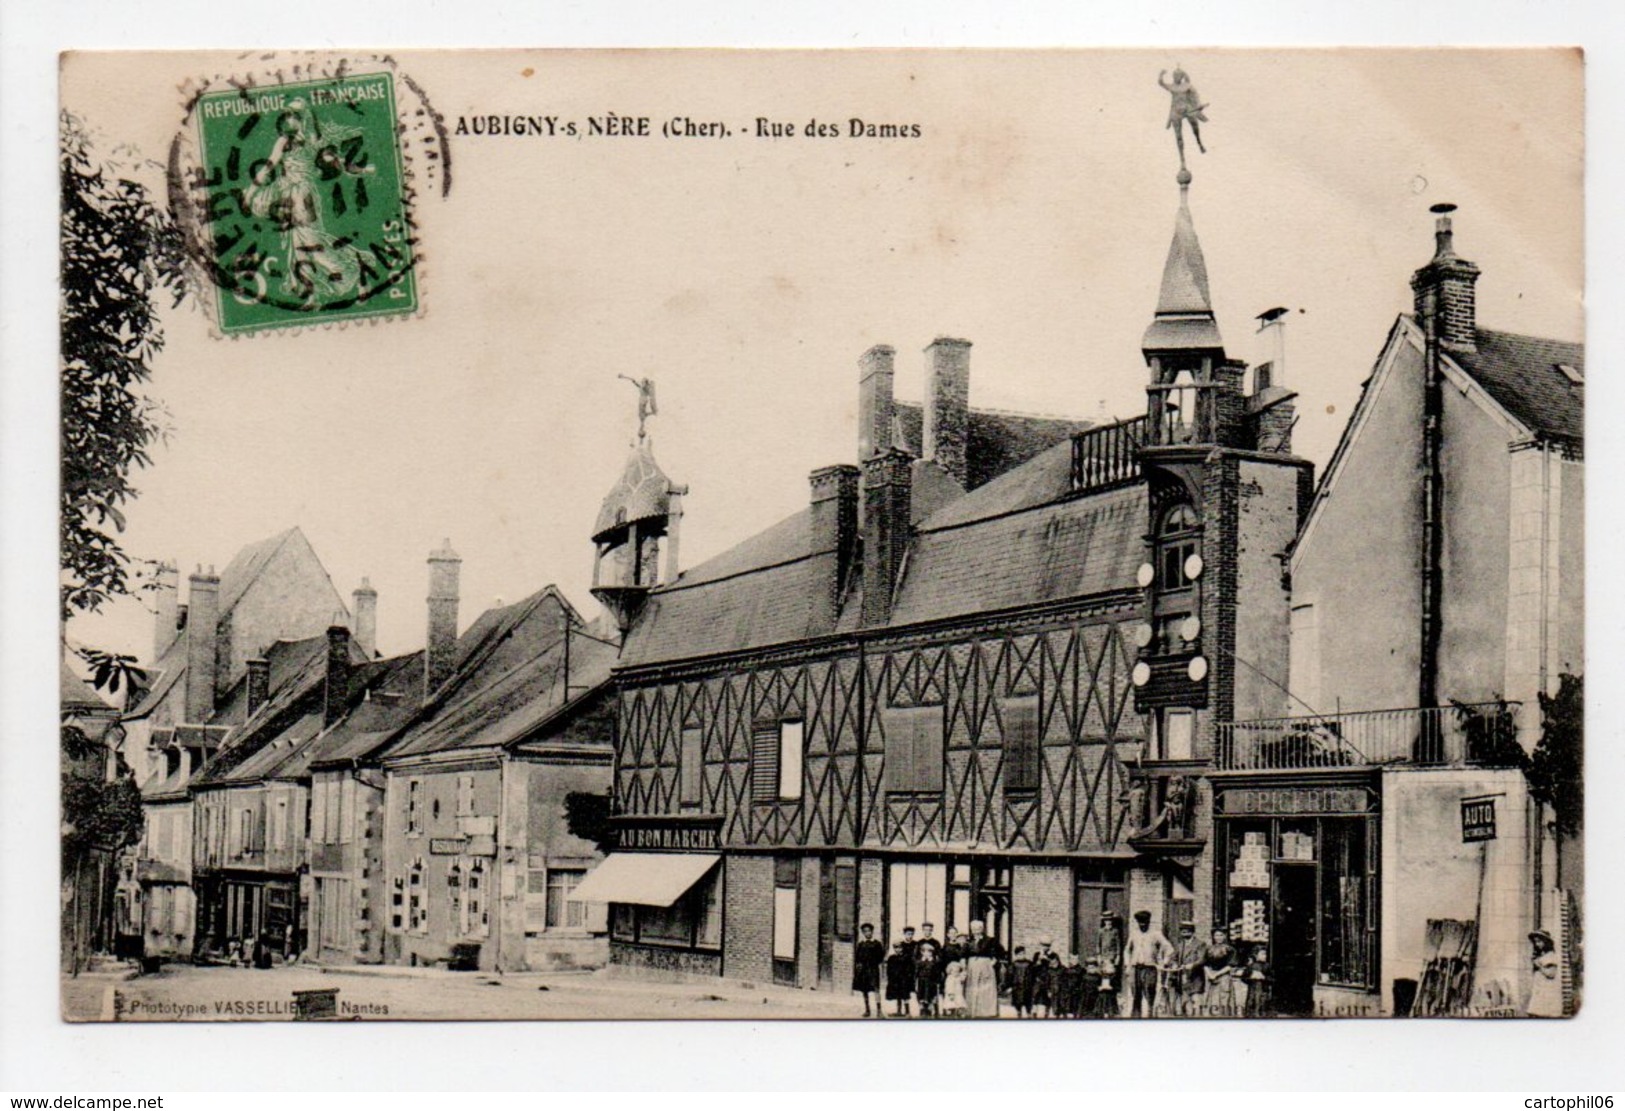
[{"x": 1572, "y": 373}]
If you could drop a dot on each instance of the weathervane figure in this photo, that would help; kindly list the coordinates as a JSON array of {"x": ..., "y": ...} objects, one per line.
[
  {"x": 1183, "y": 105},
  {"x": 646, "y": 399}
]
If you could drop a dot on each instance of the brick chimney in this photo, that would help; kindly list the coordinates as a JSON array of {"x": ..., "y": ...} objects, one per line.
[
  {"x": 338, "y": 672},
  {"x": 887, "y": 494},
  {"x": 366, "y": 617},
  {"x": 202, "y": 620},
  {"x": 875, "y": 379},
  {"x": 166, "y": 603},
  {"x": 947, "y": 405},
  {"x": 259, "y": 683},
  {"x": 1444, "y": 290},
  {"x": 440, "y": 648},
  {"x": 834, "y": 528}
]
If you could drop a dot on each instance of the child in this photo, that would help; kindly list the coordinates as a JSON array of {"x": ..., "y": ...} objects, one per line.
[
  {"x": 1106, "y": 1000},
  {"x": 900, "y": 978},
  {"x": 1068, "y": 987},
  {"x": 868, "y": 955},
  {"x": 1256, "y": 976},
  {"x": 1089, "y": 1000},
  {"x": 953, "y": 989},
  {"x": 1021, "y": 983}
]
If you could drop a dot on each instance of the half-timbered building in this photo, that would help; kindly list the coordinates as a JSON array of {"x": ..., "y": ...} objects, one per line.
[{"x": 976, "y": 677}]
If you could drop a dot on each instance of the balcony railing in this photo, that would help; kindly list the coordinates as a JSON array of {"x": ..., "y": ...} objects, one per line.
[
  {"x": 1447, "y": 736},
  {"x": 1106, "y": 456}
]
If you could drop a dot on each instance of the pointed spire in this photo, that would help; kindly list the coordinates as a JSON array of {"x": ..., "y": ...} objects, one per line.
[{"x": 1184, "y": 318}]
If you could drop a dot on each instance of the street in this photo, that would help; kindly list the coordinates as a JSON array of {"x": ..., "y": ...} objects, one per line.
[{"x": 218, "y": 994}]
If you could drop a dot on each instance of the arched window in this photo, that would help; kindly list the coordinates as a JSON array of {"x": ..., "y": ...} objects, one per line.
[
  {"x": 1178, "y": 565},
  {"x": 1178, "y": 538}
]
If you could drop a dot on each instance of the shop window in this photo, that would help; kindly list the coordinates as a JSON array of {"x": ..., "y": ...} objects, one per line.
[
  {"x": 414, "y": 806},
  {"x": 1346, "y": 938},
  {"x": 1176, "y": 734},
  {"x": 916, "y": 893},
  {"x": 691, "y": 764},
  {"x": 465, "y": 795},
  {"x": 623, "y": 922},
  {"x": 846, "y": 898},
  {"x": 1023, "y": 754},
  {"x": 693, "y": 922},
  {"x": 914, "y": 750},
  {"x": 709, "y": 899},
  {"x": 561, "y": 912}
]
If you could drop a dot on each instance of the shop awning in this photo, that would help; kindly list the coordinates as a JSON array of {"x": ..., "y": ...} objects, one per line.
[{"x": 649, "y": 879}]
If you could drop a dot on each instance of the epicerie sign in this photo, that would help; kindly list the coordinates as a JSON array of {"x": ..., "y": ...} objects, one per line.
[{"x": 1295, "y": 800}]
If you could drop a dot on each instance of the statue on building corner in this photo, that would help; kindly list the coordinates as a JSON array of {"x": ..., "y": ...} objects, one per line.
[{"x": 1184, "y": 106}]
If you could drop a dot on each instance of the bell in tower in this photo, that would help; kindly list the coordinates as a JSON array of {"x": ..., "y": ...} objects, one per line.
[{"x": 643, "y": 509}]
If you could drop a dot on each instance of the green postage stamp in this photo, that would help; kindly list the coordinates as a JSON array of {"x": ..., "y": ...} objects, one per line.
[{"x": 304, "y": 206}]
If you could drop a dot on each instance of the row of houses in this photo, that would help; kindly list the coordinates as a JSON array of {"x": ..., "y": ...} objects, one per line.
[
  {"x": 1027, "y": 671},
  {"x": 306, "y": 794},
  {"x": 1035, "y": 673}
]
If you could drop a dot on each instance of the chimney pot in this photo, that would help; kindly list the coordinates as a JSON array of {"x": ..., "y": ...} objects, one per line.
[
  {"x": 338, "y": 673},
  {"x": 202, "y": 645},
  {"x": 1444, "y": 295},
  {"x": 875, "y": 383},
  {"x": 887, "y": 501},
  {"x": 834, "y": 528},
  {"x": 440, "y": 655},
  {"x": 259, "y": 684},
  {"x": 947, "y": 406},
  {"x": 366, "y": 617}
]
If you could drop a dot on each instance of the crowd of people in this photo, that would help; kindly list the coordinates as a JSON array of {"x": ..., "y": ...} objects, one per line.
[{"x": 970, "y": 975}]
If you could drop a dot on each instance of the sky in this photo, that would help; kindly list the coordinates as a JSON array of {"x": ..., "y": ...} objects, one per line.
[{"x": 746, "y": 277}]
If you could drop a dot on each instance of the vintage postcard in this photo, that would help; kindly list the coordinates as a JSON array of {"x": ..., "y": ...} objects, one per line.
[{"x": 908, "y": 535}]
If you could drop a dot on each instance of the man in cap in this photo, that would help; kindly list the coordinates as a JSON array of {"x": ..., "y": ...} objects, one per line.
[
  {"x": 1185, "y": 979},
  {"x": 1145, "y": 953}
]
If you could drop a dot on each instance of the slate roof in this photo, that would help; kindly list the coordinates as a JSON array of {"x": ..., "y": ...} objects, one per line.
[
  {"x": 995, "y": 441},
  {"x": 1521, "y": 373},
  {"x": 240, "y": 574},
  {"x": 509, "y": 706},
  {"x": 76, "y": 694},
  {"x": 1046, "y": 544}
]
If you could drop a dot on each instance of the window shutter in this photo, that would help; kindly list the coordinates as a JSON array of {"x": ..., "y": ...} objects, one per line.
[
  {"x": 846, "y": 898},
  {"x": 1021, "y": 750},
  {"x": 764, "y": 763},
  {"x": 928, "y": 750},
  {"x": 691, "y": 767}
]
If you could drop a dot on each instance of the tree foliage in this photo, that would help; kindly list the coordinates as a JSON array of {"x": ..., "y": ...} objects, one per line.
[
  {"x": 587, "y": 817},
  {"x": 1557, "y": 767},
  {"x": 98, "y": 813},
  {"x": 119, "y": 250}
]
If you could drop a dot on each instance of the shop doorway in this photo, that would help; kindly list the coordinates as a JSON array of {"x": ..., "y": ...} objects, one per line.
[
  {"x": 1100, "y": 891},
  {"x": 826, "y": 922},
  {"x": 1293, "y": 939}
]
